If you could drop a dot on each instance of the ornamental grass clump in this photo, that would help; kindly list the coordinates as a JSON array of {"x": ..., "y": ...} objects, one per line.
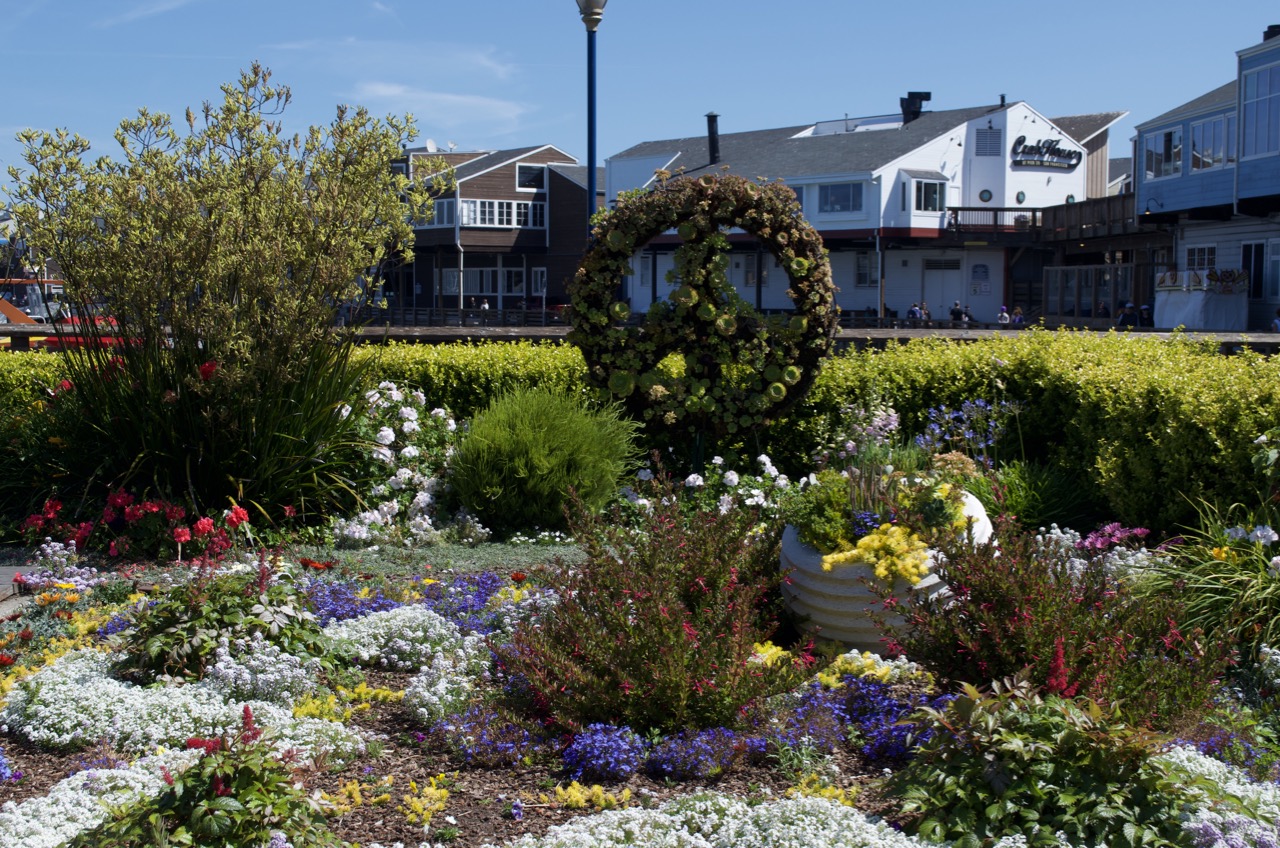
[
  {"x": 522, "y": 457},
  {"x": 657, "y": 629}
]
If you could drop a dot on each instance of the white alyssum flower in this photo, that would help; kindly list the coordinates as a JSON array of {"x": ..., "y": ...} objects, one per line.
[
  {"x": 84, "y": 800},
  {"x": 253, "y": 669},
  {"x": 73, "y": 702},
  {"x": 404, "y": 639},
  {"x": 710, "y": 820}
]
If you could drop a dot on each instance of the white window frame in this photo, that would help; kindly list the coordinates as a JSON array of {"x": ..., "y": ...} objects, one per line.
[
  {"x": 1201, "y": 257},
  {"x": 442, "y": 213},
  {"x": 1161, "y": 146},
  {"x": 513, "y": 281},
  {"x": 531, "y": 214},
  {"x": 940, "y": 198},
  {"x": 505, "y": 214},
  {"x": 541, "y": 168},
  {"x": 1271, "y": 285},
  {"x": 1253, "y": 101},
  {"x": 863, "y": 278},
  {"x": 1222, "y": 143},
  {"x": 828, "y": 205}
]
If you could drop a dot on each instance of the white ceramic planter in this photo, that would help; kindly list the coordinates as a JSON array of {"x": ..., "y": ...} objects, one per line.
[{"x": 834, "y": 604}]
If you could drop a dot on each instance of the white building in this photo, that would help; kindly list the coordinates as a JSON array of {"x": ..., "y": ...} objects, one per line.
[{"x": 938, "y": 200}]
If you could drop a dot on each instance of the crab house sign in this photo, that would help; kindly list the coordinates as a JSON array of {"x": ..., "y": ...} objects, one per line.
[{"x": 1045, "y": 153}]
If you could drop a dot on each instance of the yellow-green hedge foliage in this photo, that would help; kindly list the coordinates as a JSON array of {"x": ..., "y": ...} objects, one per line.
[
  {"x": 464, "y": 377},
  {"x": 1155, "y": 424}
]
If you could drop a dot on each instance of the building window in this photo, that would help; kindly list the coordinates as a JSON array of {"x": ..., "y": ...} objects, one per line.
[
  {"x": 1213, "y": 143},
  {"x": 514, "y": 282},
  {"x": 441, "y": 214},
  {"x": 931, "y": 196},
  {"x": 531, "y": 214},
  {"x": 799, "y": 190},
  {"x": 1261, "y": 112},
  {"x": 505, "y": 215},
  {"x": 1253, "y": 262},
  {"x": 1163, "y": 154},
  {"x": 531, "y": 177},
  {"x": 538, "y": 281},
  {"x": 1202, "y": 258},
  {"x": 840, "y": 197},
  {"x": 862, "y": 276},
  {"x": 988, "y": 143},
  {"x": 1271, "y": 285}
]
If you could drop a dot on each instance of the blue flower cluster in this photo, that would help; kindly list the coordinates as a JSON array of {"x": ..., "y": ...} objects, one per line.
[
  {"x": 1231, "y": 747},
  {"x": 483, "y": 737},
  {"x": 973, "y": 429},
  {"x": 339, "y": 600},
  {"x": 880, "y": 717},
  {"x": 702, "y": 755},
  {"x": 606, "y": 753},
  {"x": 463, "y": 600},
  {"x": 818, "y": 718},
  {"x": 7, "y": 771}
]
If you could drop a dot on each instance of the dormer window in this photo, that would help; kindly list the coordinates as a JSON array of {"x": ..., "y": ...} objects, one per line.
[{"x": 531, "y": 177}]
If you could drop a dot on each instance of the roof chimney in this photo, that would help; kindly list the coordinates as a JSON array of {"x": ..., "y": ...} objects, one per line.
[
  {"x": 912, "y": 104},
  {"x": 713, "y": 137},
  {"x": 1002, "y": 100},
  {"x": 1272, "y": 32}
]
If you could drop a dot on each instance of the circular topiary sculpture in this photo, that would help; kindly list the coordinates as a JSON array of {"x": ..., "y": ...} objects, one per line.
[{"x": 740, "y": 369}]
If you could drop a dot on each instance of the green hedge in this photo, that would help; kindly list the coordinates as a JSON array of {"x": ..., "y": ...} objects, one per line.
[
  {"x": 464, "y": 378},
  {"x": 1154, "y": 425}
]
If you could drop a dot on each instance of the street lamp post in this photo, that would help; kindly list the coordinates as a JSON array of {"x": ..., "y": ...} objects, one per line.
[{"x": 592, "y": 11}]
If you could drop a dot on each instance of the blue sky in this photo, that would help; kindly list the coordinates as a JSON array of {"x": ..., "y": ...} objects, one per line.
[{"x": 506, "y": 73}]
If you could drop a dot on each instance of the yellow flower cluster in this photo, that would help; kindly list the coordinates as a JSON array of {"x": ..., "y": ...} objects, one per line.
[
  {"x": 813, "y": 786},
  {"x": 767, "y": 653},
  {"x": 419, "y": 805},
  {"x": 353, "y": 794},
  {"x": 866, "y": 664},
  {"x": 575, "y": 796},
  {"x": 893, "y": 551}
]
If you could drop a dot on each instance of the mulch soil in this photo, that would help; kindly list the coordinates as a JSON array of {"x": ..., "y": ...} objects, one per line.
[
  {"x": 477, "y": 811},
  {"x": 479, "y": 798}
]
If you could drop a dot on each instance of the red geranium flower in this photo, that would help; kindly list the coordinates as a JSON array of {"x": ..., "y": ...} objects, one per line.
[
  {"x": 318, "y": 566},
  {"x": 203, "y": 527},
  {"x": 207, "y": 370},
  {"x": 6, "y": 659},
  {"x": 518, "y": 576},
  {"x": 236, "y": 516},
  {"x": 181, "y": 534}
]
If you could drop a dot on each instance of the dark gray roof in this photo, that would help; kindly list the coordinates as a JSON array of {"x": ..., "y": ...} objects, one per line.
[
  {"x": 1119, "y": 168},
  {"x": 1081, "y": 128},
  {"x": 924, "y": 175},
  {"x": 774, "y": 154},
  {"x": 1224, "y": 96},
  {"x": 578, "y": 174},
  {"x": 492, "y": 159}
]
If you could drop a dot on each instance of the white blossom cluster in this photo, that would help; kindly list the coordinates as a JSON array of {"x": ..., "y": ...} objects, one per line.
[
  {"x": 1185, "y": 763},
  {"x": 84, "y": 800},
  {"x": 253, "y": 669},
  {"x": 411, "y": 443},
  {"x": 445, "y": 684},
  {"x": 713, "y": 820},
  {"x": 403, "y": 639},
  {"x": 1059, "y": 542},
  {"x": 73, "y": 702}
]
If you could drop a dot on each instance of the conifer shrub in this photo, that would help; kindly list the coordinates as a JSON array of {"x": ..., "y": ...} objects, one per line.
[{"x": 525, "y": 453}]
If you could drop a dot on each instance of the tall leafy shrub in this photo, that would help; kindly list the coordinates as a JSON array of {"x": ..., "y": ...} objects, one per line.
[
  {"x": 222, "y": 253},
  {"x": 522, "y": 457},
  {"x": 657, "y": 629}
]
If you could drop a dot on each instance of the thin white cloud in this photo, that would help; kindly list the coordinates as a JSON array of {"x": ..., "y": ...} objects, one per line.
[
  {"x": 462, "y": 60},
  {"x": 144, "y": 10},
  {"x": 382, "y": 7},
  {"x": 436, "y": 110}
]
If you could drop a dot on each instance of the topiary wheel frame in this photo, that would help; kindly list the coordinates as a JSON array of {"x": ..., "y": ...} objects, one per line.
[{"x": 741, "y": 369}]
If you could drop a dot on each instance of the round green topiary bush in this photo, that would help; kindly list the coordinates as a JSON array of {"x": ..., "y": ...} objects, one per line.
[{"x": 523, "y": 455}]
